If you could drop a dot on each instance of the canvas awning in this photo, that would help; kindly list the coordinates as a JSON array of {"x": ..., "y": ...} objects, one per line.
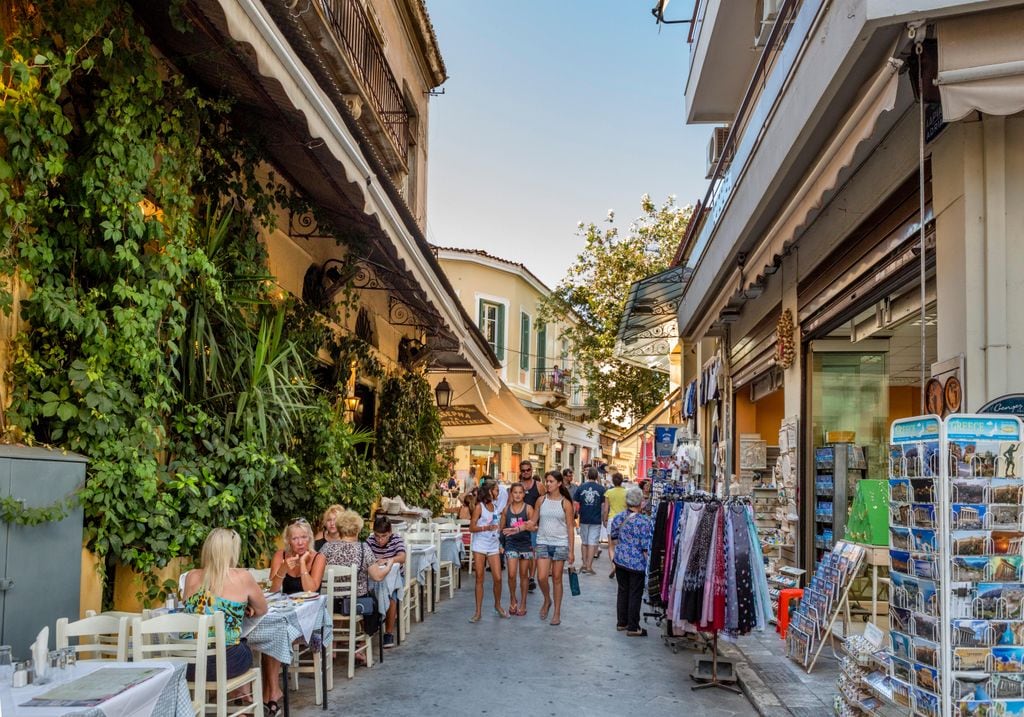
[
  {"x": 981, "y": 64},
  {"x": 479, "y": 414}
]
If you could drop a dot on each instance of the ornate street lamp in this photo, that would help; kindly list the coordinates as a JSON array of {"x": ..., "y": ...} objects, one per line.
[
  {"x": 561, "y": 431},
  {"x": 443, "y": 393},
  {"x": 353, "y": 405}
]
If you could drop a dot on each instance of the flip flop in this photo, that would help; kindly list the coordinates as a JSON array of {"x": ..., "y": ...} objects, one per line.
[
  {"x": 475, "y": 618},
  {"x": 544, "y": 612},
  {"x": 553, "y": 623},
  {"x": 501, "y": 613},
  {"x": 522, "y": 612}
]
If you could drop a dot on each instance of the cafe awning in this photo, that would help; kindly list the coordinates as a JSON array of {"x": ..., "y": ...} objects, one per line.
[
  {"x": 981, "y": 64},
  {"x": 479, "y": 414}
]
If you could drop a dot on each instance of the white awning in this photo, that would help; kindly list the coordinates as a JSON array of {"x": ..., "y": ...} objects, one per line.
[
  {"x": 479, "y": 414},
  {"x": 981, "y": 63}
]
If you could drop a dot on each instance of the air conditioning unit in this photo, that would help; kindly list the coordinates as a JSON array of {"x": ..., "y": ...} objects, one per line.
[
  {"x": 716, "y": 149},
  {"x": 766, "y": 13}
]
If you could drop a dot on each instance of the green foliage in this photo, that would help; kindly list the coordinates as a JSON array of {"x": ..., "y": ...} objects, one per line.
[
  {"x": 594, "y": 293},
  {"x": 408, "y": 441},
  {"x": 14, "y": 512}
]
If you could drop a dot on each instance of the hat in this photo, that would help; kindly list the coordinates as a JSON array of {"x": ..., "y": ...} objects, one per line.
[{"x": 634, "y": 497}]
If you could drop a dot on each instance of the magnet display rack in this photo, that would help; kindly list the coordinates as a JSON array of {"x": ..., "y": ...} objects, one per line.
[
  {"x": 956, "y": 539},
  {"x": 836, "y": 466}
]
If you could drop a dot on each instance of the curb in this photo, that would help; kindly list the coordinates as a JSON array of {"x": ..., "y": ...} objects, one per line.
[{"x": 764, "y": 701}]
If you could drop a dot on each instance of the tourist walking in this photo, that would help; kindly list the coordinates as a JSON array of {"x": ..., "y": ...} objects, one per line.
[
  {"x": 555, "y": 539},
  {"x": 616, "y": 497},
  {"x": 592, "y": 510},
  {"x": 533, "y": 490},
  {"x": 485, "y": 527},
  {"x": 516, "y": 524},
  {"x": 633, "y": 531}
]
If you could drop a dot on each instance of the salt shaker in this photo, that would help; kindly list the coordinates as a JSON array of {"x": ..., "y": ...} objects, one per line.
[{"x": 20, "y": 678}]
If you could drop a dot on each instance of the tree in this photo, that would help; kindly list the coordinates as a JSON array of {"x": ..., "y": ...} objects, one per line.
[{"x": 592, "y": 296}]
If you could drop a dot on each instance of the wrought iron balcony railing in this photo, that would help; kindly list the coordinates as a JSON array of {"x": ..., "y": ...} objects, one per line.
[{"x": 365, "y": 55}]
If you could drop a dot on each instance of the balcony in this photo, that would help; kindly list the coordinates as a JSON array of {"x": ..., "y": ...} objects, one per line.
[
  {"x": 553, "y": 380},
  {"x": 365, "y": 74}
]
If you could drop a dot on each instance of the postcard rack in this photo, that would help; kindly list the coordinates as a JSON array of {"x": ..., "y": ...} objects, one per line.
[{"x": 956, "y": 558}]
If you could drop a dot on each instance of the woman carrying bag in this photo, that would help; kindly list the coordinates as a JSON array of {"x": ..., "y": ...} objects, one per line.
[{"x": 633, "y": 531}]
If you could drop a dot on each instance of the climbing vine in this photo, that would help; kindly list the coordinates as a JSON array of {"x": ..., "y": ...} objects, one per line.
[{"x": 14, "y": 512}]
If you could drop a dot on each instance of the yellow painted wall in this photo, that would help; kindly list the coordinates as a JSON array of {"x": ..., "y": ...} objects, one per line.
[
  {"x": 904, "y": 401},
  {"x": 763, "y": 417}
]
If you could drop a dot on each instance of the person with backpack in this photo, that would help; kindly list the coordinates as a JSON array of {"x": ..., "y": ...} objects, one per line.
[{"x": 633, "y": 531}]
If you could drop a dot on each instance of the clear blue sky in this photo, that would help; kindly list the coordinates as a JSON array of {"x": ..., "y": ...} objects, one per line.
[{"x": 556, "y": 111}]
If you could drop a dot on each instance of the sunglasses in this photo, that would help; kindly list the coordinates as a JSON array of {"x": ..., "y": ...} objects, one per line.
[{"x": 526, "y": 470}]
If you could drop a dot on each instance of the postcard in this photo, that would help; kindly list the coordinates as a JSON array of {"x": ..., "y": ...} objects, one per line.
[
  {"x": 901, "y": 669},
  {"x": 926, "y": 676},
  {"x": 900, "y": 539},
  {"x": 1007, "y": 632},
  {"x": 902, "y": 645},
  {"x": 900, "y": 618},
  {"x": 1005, "y": 515},
  {"x": 925, "y": 568},
  {"x": 970, "y": 490},
  {"x": 970, "y": 633},
  {"x": 969, "y": 542},
  {"x": 925, "y": 540},
  {"x": 1005, "y": 568},
  {"x": 926, "y": 703},
  {"x": 960, "y": 455},
  {"x": 899, "y": 490},
  {"x": 899, "y": 560},
  {"x": 899, "y": 514},
  {"x": 970, "y": 658},
  {"x": 970, "y": 569},
  {"x": 923, "y": 491},
  {"x": 969, "y": 516},
  {"x": 1006, "y": 490},
  {"x": 1007, "y": 542},
  {"x": 896, "y": 466},
  {"x": 923, "y": 515},
  {"x": 1009, "y": 461},
  {"x": 926, "y": 626},
  {"x": 926, "y": 651},
  {"x": 930, "y": 458},
  {"x": 1008, "y": 659},
  {"x": 999, "y": 601}
]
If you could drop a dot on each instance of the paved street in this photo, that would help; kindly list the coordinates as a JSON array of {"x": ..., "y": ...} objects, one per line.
[{"x": 523, "y": 666}]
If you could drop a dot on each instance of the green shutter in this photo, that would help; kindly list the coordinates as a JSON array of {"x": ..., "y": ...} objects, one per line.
[
  {"x": 524, "y": 343},
  {"x": 542, "y": 347},
  {"x": 499, "y": 340},
  {"x": 480, "y": 316}
]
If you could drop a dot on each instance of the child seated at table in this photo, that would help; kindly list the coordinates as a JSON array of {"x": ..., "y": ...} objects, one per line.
[{"x": 389, "y": 549}]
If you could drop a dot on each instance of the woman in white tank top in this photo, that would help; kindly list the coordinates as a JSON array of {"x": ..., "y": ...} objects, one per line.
[
  {"x": 555, "y": 542},
  {"x": 485, "y": 544}
]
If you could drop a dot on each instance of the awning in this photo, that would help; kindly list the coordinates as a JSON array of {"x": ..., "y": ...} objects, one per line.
[
  {"x": 649, "y": 329},
  {"x": 479, "y": 414},
  {"x": 981, "y": 63}
]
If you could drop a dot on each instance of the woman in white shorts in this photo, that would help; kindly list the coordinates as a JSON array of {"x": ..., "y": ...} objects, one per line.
[{"x": 485, "y": 543}]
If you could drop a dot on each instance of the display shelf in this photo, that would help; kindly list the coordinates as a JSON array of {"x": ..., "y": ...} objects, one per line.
[{"x": 837, "y": 468}]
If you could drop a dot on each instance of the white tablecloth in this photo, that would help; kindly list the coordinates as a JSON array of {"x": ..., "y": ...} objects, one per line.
[
  {"x": 422, "y": 559},
  {"x": 452, "y": 550},
  {"x": 384, "y": 589},
  {"x": 273, "y": 633},
  {"x": 163, "y": 695}
]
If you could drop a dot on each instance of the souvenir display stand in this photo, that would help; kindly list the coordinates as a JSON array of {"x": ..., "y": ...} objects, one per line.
[
  {"x": 837, "y": 469},
  {"x": 956, "y": 511},
  {"x": 824, "y": 599}
]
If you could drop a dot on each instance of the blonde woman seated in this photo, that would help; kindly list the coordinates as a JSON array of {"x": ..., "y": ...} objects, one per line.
[
  {"x": 296, "y": 568},
  {"x": 352, "y": 552},
  {"x": 221, "y": 586}
]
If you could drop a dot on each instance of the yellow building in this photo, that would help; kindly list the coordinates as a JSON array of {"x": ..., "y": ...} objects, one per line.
[{"x": 504, "y": 298}]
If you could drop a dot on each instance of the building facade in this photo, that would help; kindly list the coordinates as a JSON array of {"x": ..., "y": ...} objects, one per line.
[
  {"x": 856, "y": 258},
  {"x": 505, "y": 298}
]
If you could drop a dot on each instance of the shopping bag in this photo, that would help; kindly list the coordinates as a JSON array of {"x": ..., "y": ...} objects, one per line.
[{"x": 574, "y": 581}]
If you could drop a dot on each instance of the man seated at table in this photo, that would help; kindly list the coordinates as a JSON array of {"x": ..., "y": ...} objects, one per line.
[{"x": 388, "y": 548}]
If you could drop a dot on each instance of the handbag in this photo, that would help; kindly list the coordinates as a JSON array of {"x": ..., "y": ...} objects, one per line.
[{"x": 574, "y": 582}]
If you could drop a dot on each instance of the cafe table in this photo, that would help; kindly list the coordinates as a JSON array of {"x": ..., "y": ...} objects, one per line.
[
  {"x": 422, "y": 564},
  {"x": 393, "y": 582},
  {"x": 165, "y": 694},
  {"x": 286, "y": 621}
]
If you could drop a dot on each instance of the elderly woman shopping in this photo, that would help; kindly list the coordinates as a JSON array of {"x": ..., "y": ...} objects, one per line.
[{"x": 633, "y": 531}]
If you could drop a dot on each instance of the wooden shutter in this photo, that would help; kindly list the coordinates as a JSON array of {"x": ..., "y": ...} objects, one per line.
[
  {"x": 499, "y": 339},
  {"x": 524, "y": 342}
]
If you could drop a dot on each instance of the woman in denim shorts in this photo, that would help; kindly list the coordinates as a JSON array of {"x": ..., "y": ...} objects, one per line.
[
  {"x": 516, "y": 532},
  {"x": 555, "y": 539}
]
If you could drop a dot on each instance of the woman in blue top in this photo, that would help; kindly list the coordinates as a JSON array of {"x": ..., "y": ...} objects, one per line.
[
  {"x": 221, "y": 586},
  {"x": 633, "y": 531}
]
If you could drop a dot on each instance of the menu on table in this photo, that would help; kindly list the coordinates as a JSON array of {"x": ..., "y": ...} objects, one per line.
[{"x": 95, "y": 688}]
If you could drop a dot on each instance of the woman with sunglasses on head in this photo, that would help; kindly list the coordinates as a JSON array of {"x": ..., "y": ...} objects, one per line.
[
  {"x": 555, "y": 542},
  {"x": 296, "y": 568},
  {"x": 485, "y": 529}
]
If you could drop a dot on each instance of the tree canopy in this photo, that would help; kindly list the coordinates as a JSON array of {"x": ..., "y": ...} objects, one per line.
[{"x": 592, "y": 297}]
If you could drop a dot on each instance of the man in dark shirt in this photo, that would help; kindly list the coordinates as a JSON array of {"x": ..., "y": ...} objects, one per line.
[
  {"x": 592, "y": 510},
  {"x": 532, "y": 494}
]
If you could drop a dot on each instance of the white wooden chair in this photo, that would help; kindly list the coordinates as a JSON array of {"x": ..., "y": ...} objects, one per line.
[
  {"x": 180, "y": 636},
  {"x": 413, "y": 538},
  {"x": 447, "y": 573},
  {"x": 305, "y": 661},
  {"x": 467, "y": 544},
  {"x": 342, "y": 581},
  {"x": 99, "y": 637},
  {"x": 260, "y": 575}
]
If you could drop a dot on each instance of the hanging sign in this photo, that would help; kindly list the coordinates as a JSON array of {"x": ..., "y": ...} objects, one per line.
[{"x": 1011, "y": 403}]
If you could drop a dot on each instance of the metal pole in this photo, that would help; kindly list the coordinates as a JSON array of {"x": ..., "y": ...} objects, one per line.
[{"x": 918, "y": 49}]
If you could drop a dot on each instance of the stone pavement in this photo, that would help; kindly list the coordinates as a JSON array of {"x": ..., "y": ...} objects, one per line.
[{"x": 524, "y": 666}]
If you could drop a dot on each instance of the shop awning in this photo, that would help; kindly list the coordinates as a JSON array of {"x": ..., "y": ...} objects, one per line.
[
  {"x": 479, "y": 414},
  {"x": 649, "y": 329},
  {"x": 981, "y": 64}
]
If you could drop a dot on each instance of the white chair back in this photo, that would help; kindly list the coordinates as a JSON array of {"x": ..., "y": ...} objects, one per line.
[
  {"x": 260, "y": 574},
  {"x": 182, "y": 636},
  {"x": 96, "y": 637},
  {"x": 181, "y": 584},
  {"x": 342, "y": 583}
]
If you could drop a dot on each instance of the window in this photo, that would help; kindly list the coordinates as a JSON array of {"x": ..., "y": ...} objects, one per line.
[
  {"x": 524, "y": 341},
  {"x": 492, "y": 326}
]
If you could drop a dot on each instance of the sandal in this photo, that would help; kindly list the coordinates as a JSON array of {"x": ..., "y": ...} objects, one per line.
[
  {"x": 501, "y": 613},
  {"x": 544, "y": 612},
  {"x": 475, "y": 618},
  {"x": 271, "y": 708},
  {"x": 522, "y": 612},
  {"x": 513, "y": 608}
]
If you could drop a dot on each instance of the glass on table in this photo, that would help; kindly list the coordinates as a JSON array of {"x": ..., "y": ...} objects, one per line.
[{"x": 6, "y": 665}]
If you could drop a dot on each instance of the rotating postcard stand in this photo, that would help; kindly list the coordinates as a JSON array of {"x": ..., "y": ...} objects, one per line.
[{"x": 956, "y": 557}]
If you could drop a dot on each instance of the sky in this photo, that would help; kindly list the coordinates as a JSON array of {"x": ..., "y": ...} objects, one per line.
[{"x": 556, "y": 111}]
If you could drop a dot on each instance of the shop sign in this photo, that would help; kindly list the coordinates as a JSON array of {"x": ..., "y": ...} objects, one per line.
[
  {"x": 462, "y": 416},
  {"x": 1011, "y": 403}
]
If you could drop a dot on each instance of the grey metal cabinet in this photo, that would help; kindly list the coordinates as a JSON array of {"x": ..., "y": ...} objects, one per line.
[{"x": 40, "y": 565}]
